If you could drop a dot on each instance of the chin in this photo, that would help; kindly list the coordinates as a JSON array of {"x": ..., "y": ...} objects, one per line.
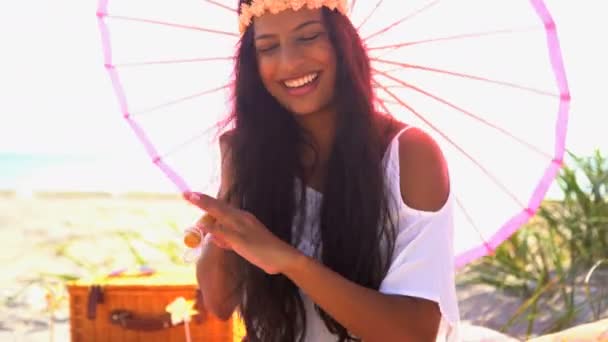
[
  {"x": 301, "y": 109},
  {"x": 307, "y": 105}
]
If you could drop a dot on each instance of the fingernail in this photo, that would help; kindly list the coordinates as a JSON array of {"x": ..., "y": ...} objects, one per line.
[{"x": 194, "y": 197}]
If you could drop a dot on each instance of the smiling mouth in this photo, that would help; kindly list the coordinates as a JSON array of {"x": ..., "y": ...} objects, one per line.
[{"x": 302, "y": 81}]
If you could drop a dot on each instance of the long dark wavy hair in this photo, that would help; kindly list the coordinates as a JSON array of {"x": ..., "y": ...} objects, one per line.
[{"x": 356, "y": 234}]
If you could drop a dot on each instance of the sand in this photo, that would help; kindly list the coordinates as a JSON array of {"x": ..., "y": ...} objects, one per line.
[{"x": 77, "y": 235}]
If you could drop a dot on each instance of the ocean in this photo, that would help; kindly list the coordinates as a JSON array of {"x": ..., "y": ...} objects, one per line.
[
  {"x": 15, "y": 167},
  {"x": 30, "y": 172}
]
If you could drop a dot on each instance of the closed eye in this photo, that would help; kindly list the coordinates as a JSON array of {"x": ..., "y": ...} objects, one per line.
[
  {"x": 267, "y": 49},
  {"x": 309, "y": 38}
]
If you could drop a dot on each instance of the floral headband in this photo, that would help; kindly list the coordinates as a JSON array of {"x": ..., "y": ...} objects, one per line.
[{"x": 258, "y": 7}]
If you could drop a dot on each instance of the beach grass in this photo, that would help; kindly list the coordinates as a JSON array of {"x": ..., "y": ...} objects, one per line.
[{"x": 558, "y": 263}]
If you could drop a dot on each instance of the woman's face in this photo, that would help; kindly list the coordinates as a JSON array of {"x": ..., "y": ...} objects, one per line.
[{"x": 296, "y": 59}]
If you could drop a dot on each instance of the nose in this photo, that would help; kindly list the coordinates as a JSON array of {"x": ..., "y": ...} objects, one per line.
[{"x": 291, "y": 59}]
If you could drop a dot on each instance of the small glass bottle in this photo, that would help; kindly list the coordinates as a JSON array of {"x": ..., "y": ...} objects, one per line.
[{"x": 193, "y": 238}]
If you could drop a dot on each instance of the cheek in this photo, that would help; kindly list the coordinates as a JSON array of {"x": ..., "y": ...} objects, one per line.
[
  {"x": 326, "y": 55},
  {"x": 267, "y": 73},
  {"x": 330, "y": 63}
]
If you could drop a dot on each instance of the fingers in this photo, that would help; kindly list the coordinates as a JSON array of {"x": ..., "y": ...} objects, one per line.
[
  {"x": 195, "y": 235},
  {"x": 224, "y": 222},
  {"x": 222, "y": 233},
  {"x": 205, "y": 220},
  {"x": 216, "y": 208},
  {"x": 218, "y": 241},
  {"x": 215, "y": 229}
]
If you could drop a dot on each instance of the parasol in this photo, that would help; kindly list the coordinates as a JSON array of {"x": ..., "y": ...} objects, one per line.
[{"x": 484, "y": 77}]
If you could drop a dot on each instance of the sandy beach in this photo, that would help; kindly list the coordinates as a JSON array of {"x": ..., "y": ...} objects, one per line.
[{"x": 49, "y": 235}]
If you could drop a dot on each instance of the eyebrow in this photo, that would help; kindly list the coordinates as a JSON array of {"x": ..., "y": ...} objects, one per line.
[{"x": 299, "y": 27}]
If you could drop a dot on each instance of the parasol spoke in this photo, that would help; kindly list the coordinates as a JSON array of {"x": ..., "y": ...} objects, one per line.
[
  {"x": 183, "y": 144},
  {"x": 352, "y": 6},
  {"x": 498, "y": 183},
  {"x": 463, "y": 75},
  {"x": 402, "y": 20},
  {"x": 470, "y": 220},
  {"x": 369, "y": 15},
  {"x": 385, "y": 101},
  {"x": 401, "y": 45},
  {"x": 170, "y": 24},
  {"x": 393, "y": 70},
  {"x": 392, "y": 86},
  {"x": 386, "y": 43},
  {"x": 176, "y": 101},
  {"x": 173, "y": 61},
  {"x": 382, "y": 103},
  {"x": 478, "y": 118},
  {"x": 215, "y": 3},
  {"x": 154, "y": 155}
]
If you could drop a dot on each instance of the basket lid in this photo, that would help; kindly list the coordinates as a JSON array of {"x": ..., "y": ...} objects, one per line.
[{"x": 177, "y": 276}]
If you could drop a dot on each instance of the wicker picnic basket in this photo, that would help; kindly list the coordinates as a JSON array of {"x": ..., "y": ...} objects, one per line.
[{"x": 126, "y": 309}]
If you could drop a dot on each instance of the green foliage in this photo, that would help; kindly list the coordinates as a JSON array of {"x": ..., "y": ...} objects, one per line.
[{"x": 557, "y": 255}]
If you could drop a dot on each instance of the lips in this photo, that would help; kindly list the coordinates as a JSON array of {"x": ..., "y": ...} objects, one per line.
[
  {"x": 301, "y": 81},
  {"x": 302, "y": 86}
]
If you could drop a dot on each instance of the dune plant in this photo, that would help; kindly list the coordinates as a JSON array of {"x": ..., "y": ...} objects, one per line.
[{"x": 560, "y": 254}]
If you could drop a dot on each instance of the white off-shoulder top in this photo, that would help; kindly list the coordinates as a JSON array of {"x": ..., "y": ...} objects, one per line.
[{"x": 422, "y": 264}]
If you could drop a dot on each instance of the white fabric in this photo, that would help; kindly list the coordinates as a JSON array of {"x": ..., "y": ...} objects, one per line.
[{"x": 422, "y": 263}]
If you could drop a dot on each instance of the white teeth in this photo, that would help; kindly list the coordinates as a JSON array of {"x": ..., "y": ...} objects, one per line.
[{"x": 301, "y": 81}]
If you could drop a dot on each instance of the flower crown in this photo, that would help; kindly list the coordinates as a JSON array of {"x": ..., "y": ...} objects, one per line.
[{"x": 258, "y": 7}]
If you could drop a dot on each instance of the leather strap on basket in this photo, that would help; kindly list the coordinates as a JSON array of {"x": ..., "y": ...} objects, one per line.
[
  {"x": 129, "y": 321},
  {"x": 95, "y": 297}
]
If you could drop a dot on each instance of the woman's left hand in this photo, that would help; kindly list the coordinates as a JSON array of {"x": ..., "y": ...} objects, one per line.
[{"x": 242, "y": 232}]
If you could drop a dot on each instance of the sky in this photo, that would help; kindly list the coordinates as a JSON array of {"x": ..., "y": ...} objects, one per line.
[{"x": 55, "y": 96}]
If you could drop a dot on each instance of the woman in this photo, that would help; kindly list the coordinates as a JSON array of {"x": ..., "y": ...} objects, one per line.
[{"x": 333, "y": 221}]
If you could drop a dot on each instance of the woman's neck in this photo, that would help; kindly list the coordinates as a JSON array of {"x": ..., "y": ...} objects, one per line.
[{"x": 322, "y": 129}]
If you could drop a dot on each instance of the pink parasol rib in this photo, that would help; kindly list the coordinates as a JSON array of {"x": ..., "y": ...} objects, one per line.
[
  {"x": 175, "y": 25},
  {"x": 402, "y": 20},
  {"x": 221, "y": 5},
  {"x": 553, "y": 168},
  {"x": 370, "y": 14},
  {"x": 506, "y": 229},
  {"x": 398, "y": 46},
  {"x": 352, "y": 6},
  {"x": 469, "y": 114},
  {"x": 382, "y": 104},
  {"x": 183, "y": 144},
  {"x": 469, "y": 219},
  {"x": 385, "y": 101},
  {"x": 182, "y": 99},
  {"x": 454, "y": 144},
  {"x": 173, "y": 61},
  {"x": 179, "y": 182},
  {"x": 463, "y": 75}
]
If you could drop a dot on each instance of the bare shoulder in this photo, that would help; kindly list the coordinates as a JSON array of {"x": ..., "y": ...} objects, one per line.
[
  {"x": 226, "y": 140},
  {"x": 424, "y": 176}
]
